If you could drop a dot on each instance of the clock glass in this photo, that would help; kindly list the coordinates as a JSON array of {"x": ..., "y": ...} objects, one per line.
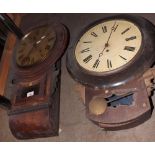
[
  {"x": 35, "y": 46},
  {"x": 108, "y": 46}
]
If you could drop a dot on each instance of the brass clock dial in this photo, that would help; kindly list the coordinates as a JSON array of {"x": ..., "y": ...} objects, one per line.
[
  {"x": 35, "y": 46},
  {"x": 108, "y": 46}
]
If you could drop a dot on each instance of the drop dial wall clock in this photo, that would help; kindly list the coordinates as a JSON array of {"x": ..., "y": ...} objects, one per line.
[
  {"x": 112, "y": 59},
  {"x": 36, "y": 81}
]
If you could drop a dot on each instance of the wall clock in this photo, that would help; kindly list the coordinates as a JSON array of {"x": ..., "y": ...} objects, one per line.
[
  {"x": 112, "y": 59},
  {"x": 35, "y": 99}
]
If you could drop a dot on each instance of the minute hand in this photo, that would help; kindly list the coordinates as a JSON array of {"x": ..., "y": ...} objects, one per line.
[{"x": 110, "y": 33}]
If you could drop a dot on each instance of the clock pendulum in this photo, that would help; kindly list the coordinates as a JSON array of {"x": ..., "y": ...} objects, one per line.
[
  {"x": 36, "y": 82},
  {"x": 113, "y": 60}
]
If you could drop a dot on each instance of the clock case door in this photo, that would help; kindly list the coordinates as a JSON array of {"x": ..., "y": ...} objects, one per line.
[
  {"x": 134, "y": 69},
  {"x": 36, "y": 91}
]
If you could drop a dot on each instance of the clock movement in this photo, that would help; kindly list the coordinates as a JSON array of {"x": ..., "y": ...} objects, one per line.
[
  {"x": 113, "y": 60},
  {"x": 36, "y": 81}
]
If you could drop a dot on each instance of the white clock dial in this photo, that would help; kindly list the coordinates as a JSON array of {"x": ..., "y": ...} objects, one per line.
[{"x": 108, "y": 46}]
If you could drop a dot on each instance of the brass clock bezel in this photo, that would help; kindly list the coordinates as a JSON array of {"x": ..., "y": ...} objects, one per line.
[{"x": 127, "y": 72}]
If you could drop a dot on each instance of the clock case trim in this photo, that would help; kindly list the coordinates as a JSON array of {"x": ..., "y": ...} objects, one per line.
[{"x": 133, "y": 69}]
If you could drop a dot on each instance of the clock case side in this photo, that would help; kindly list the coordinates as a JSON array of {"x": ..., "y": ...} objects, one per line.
[{"x": 142, "y": 61}]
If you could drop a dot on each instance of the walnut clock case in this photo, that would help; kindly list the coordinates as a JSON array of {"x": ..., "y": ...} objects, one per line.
[
  {"x": 112, "y": 58},
  {"x": 35, "y": 99}
]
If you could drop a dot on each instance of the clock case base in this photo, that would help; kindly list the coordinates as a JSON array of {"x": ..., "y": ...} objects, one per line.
[
  {"x": 37, "y": 116},
  {"x": 122, "y": 116}
]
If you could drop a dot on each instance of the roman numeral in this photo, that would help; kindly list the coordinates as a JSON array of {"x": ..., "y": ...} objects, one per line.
[
  {"x": 34, "y": 38},
  {"x": 129, "y": 48},
  {"x": 104, "y": 29},
  {"x": 20, "y": 51},
  {"x": 51, "y": 38},
  {"x": 96, "y": 63},
  {"x": 37, "y": 32},
  {"x": 131, "y": 38},
  {"x": 32, "y": 60},
  {"x": 122, "y": 57},
  {"x": 94, "y": 34},
  {"x": 109, "y": 64},
  {"x": 20, "y": 57},
  {"x": 125, "y": 30},
  {"x": 23, "y": 44},
  {"x": 87, "y": 59},
  {"x": 87, "y": 42},
  {"x": 47, "y": 47},
  {"x": 85, "y": 50},
  {"x": 114, "y": 28},
  {"x": 26, "y": 60}
]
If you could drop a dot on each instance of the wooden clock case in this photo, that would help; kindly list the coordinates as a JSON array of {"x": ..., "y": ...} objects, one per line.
[{"x": 37, "y": 115}]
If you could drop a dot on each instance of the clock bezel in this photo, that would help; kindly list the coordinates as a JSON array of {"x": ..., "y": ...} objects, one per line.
[
  {"x": 38, "y": 62},
  {"x": 32, "y": 72},
  {"x": 114, "y": 70},
  {"x": 125, "y": 74}
]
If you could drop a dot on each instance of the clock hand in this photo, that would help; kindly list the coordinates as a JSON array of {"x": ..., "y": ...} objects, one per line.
[
  {"x": 30, "y": 51},
  {"x": 26, "y": 58},
  {"x": 106, "y": 44},
  {"x": 110, "y": 34},
  {"x": 100, "y": 54}
]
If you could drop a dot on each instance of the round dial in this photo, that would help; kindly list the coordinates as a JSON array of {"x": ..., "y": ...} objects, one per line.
[
  {"x": 108, "y": 46},
  {"x": 35, "y": 46}
]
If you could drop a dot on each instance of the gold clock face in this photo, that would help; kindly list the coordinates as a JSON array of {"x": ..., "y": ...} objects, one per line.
[
  {"x": 35, "y": 46},
  {"x": 108, "y": 46}
]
